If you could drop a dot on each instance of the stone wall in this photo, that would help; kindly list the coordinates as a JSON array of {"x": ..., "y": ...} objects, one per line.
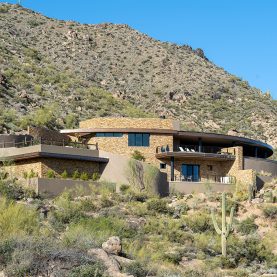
[
  {"x": 219, "y": 168},
  {"x": 17, "y": 169},
  {"x": 122, "y": 122},
  {"x": 59, "y": 165},
  {"x": 41, "y": 166},
  {"x": 46, "y": 134},
  {"x": 119, "y": 145}
]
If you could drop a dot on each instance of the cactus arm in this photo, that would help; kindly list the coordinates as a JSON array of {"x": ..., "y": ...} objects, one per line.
[
  {"x": 215, "y": 223},
  {"x": 229, "y": 226}
]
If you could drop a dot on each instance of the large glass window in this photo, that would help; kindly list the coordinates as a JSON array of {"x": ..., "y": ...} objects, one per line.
[
  {"x": 138, "y": 139},
  {"x": 190, "y": 172},
  {"x": 109, "y": 135}
]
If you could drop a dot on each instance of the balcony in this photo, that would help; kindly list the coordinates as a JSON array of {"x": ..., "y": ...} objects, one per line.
[
  {"x": 41, "y": 141},
  {"x": 194, "y": 151}
]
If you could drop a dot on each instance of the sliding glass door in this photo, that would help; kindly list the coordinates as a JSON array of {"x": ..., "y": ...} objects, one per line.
[{"x": 191, "y": 172}]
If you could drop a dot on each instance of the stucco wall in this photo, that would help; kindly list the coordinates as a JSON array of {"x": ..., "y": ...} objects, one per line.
[
  {"x": 122, "y": 122},
  {"x": 53, "y": 187},
  {"x": 195, "y": 187},
  {"x": 260, "y": 165}
]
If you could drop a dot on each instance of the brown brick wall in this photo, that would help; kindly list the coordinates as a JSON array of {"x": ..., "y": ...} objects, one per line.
[{"x": 122, "y": 122}]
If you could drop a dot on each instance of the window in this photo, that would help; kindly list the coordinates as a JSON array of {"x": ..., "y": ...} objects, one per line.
[
  {"x": 109, "y": 135},
  {"x": 210, "y": 167},
  {"x": 138, "y": 139},
  {"x": 191, "y": 172},
  {"x": 162, "y": 166}
]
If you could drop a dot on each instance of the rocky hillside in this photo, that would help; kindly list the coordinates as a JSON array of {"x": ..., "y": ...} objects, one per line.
[
  {"x": 109, "y": 69},
  {"x": 134, "y": 234}
]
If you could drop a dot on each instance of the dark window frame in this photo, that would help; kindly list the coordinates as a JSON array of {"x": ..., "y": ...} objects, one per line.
[
  {"x": 108, "y": 135},
  {"x": 139, "y": 139}
]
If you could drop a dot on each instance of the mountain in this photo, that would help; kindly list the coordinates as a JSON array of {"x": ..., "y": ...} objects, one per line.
[{"x": 56, "y": 72}]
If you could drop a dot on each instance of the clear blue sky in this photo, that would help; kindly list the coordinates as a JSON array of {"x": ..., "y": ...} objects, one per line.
[{"x": 238, "y": 35}]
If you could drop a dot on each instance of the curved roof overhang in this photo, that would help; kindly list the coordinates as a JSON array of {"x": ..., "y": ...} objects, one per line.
[{"x": 189, "y": 135}]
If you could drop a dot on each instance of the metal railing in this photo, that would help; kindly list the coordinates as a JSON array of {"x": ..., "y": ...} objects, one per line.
[
  {"x": 195, "y": 148},
  {"x": 205, "y": 178},
  {"x": 64, "y": 143}
]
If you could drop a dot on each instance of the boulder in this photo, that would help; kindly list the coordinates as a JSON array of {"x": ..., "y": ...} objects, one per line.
[{"x": 112, "y": 246}]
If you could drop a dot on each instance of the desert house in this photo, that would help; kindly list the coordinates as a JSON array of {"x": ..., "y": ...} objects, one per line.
[{"x": 101, "y": 147}]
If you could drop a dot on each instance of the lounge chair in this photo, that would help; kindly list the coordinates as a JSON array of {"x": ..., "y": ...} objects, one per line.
[{"x": 181, "y": 149}]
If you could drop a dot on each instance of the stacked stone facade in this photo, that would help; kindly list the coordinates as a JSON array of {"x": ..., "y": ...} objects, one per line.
[
  {"x": 41, "y": 166},
  {"x": 122, "y": 122}
]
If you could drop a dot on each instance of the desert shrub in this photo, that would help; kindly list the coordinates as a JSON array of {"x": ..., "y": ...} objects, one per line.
[
  {"x": 50, "y": 174},
  {"x": 89, "y": 232},
  {"x": 158, "y": 205},
  {"x": 95, "y": 176},
  {"x": 84, "y": 176},
  {"x": 137, "y": 155},
  {"x": 87, "y": 205},
  {"x": 32, "y": 256},
  {"x": 247, "y": 226},
  {"x": 199, "y": 222},
  {"x": 106, "y": 202},
  {"x": 64, "y": 175},
  {"x": 173, "y": 256},
  {"x": 124, "y": 188},
  {"x": 17, "y": 220},
  {"x": 67, "y": 211},
  {"x": 95, "y": 270},
  {"x": 13, "y": 191},
  {"x": 136, "y": 269},
  {"x": 4, "y": 9},
  {"x": 270, "y": 211},
  {"x": 32, "y": 174},
  {"x": 138, "y": 196},
  {"x": 76, "y": 175}
]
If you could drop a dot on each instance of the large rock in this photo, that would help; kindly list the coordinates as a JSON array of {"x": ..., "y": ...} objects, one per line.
[
  {"x": 112, "y": 265},
  {"x": 112, "y": 245}
]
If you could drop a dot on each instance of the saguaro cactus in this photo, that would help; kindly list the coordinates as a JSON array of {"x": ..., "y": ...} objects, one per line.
[{"x": 226, "y": 227}]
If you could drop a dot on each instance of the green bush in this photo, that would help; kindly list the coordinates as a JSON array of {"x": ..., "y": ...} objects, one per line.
[
  {"x": 64, "y": 175},
  {"x": 137, "y": 155},
  {"x": 247, "y": 226},
  {"x": 84, "y": 176},
  {"x": 124, "y": 188},
  {"x": 76, "y": 175},
  {"x": 199, "y": 222},
  {"x": 158, "y": 205},
  {"x": 50, "y": 174},
  {"x": 17, "y": 220},
  {"x": 14, "y": 191},
  {"x": 95, "y": 270},
  {"x": 136, "y": 269},
  {"x": 270, "y": 211},
  {"x": 95, "y": 176}
]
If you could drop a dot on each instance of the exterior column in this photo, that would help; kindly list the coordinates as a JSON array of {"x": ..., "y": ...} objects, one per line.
[
  {"x": 200, "y": 145},
  {"x": 172, "y": 166},
  {"x": 256, "y": 152}
]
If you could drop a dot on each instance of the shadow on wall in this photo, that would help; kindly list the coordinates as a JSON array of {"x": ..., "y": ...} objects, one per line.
[
  {"x": 261, "y": 180},
  {"x": 123, "y": 170}
]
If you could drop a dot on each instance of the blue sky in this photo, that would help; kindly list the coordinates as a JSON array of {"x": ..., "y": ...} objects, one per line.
[{"x": 238, "y": 35}]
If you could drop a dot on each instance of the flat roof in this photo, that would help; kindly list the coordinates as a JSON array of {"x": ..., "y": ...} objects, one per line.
[
  {"x": 182, "y": 134},
  {"x": 50, "y": 151}
]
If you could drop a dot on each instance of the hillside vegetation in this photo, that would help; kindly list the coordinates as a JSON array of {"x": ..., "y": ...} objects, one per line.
[
  {"x": 134, "y": 233},
  {"x": 55, "y": 73}
]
